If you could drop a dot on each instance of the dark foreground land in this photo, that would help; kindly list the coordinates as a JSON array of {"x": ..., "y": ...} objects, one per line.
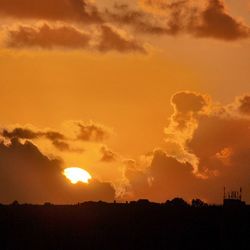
[{"x": 138, "y": 225}]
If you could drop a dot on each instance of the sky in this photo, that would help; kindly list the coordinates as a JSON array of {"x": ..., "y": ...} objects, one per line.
[{"x": 151, "y": 97}]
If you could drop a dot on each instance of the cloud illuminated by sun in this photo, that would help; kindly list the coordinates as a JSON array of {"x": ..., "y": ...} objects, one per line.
[{"x": 76, "y": 175}]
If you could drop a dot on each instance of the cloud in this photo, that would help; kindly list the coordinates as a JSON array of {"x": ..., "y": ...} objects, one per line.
[
  {"x": 92, "y": 132},
  {"x": 108, "y": 155},
  {"x": 208, "y": 19},
  {"x": 69, "y": 139},
  {"x": 173, "y": 178},
  {"x": 186, "y": 102},
  {"x": 112, "y": 40},
  {"x": 244, "y": 105},
  {"x": 137, "y": 185},
  {"x": 22, "y": 133},
  {"x": 217, "y": 23},
  {"x": 164, "y": 178},
  {"x": 70, "y": 12},
  {"x": 188, "y": 107},
  {"x": 80, "y": 24},
  {"x": 218, "y": 142},
  {"x": 47, "y": 37},
  {"x": 28, "y": 133},
  {"x": 207, "y": 147},
  {"x": 137, "y": 19},
  {"x": 222, "y": 143},
  {"x": 55, "y": 10},
  {"x": 27, "y": 175},
  {"x": 61, "y": 145},
  {"x": 211, "y": 133}
]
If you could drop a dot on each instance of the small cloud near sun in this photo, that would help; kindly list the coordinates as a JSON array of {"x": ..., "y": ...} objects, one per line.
[{"x": 76, "y": 175}]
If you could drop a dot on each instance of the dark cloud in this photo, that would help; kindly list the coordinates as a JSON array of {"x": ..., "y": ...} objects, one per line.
[
  {"x": 47, "y": 37},
  {"x": 61, "y": 145},
  {"x": 87, "y": 132},
  {"x": 217, "y": 23},
  {"x": 188, "y": 106},
  {"x": 214, "y": 135},
  {"x": 22, "y": 133},
  {"x": 139, "y": 20},
  {"x": 27, "y": 175},
  {"x": 68, "y": 37},
  {"x": 165, "y": 178},
  {"x": 183, "y": 16},
  {"x": 222, "y": 145},
  {"x": 53, "y": 135},
  {"x": 92, "y": 132},
  {"x": 112, "y": 40},
  {"x": 139, "y": 185},
  {"x": 172, "y": 178},
  {"x": 56, "y": 138},
  {"x": 244, "y": 106},
  {"x": 185, "y": 102},
  {"x": 207, "y": 150},
  {"x": 107, "y": 155},
  {"x": 160, "y": 17},
  {"x": 207, "y": 147},
  {"x": 55, "y": 10},
  {"x": 219, "y": 142}
]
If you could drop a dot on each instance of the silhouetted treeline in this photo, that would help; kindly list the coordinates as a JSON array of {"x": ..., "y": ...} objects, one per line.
[{"x": 135, "y": 225}]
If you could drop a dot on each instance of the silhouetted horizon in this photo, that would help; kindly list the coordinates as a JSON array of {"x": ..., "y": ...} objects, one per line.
[
  {"x": 119, "y": 202},
  {"x": 134, "y": 225}
]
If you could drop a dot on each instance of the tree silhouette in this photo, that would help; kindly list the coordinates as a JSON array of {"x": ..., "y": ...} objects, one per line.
[
  {"x": 177, "y": 202},
  {"x": 198, "y": 203}
]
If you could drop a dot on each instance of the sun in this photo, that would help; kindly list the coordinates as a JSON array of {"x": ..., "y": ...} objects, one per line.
[{"x": 76, "y": 175}]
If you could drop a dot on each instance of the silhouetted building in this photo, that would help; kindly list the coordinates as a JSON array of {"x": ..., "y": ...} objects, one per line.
[{"x": 233, "y": 199}]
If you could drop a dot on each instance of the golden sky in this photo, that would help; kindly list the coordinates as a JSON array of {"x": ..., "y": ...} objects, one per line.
[{"x": 150, "y": 97}]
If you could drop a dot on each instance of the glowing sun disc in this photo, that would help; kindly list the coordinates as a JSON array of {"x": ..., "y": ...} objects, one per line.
[{"x": 76, "y": 175}]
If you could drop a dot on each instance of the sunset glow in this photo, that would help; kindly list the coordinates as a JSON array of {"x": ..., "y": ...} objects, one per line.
[{"x": 76, "y": 175}]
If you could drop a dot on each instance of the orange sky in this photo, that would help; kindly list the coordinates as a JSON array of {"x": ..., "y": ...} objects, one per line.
[{"x": 118, "y": 70}]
